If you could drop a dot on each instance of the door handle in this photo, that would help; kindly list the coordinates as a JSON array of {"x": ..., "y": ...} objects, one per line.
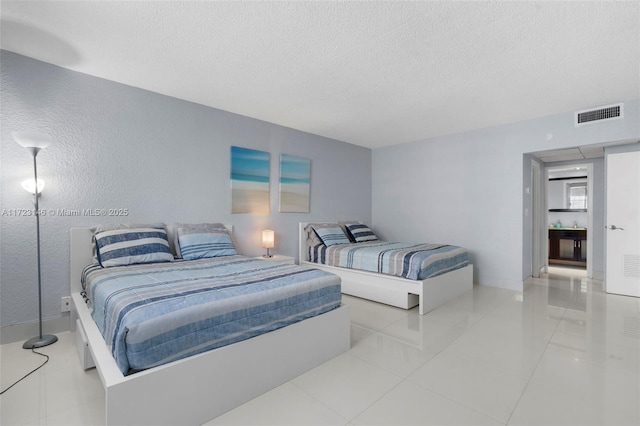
[{"x": 613, "y": 228}]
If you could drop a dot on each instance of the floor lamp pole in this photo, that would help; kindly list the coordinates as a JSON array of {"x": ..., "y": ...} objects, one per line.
[{"x": 41, "y": 340}]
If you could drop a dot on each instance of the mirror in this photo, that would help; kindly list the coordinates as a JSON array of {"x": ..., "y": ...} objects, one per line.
[{"x": 568, "y": 194}]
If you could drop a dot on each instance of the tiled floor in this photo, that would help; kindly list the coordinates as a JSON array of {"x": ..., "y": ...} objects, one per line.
[{"x": 561, "y": 353}]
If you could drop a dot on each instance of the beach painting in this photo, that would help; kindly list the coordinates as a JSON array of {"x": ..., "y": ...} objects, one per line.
[
  {"x": 295, "y": 184},
  {"x": 249, "y": 181}
]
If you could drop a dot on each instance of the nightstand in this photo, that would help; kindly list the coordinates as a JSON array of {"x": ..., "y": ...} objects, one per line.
[{"x": 279, "y": 258}]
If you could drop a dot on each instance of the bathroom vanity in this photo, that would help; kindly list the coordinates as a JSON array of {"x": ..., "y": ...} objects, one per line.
[{"x": 568, "y": 246}]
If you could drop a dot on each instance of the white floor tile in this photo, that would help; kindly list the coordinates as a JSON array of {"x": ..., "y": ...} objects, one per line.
[
  {"x": 566, "y": 372},
  {"x": 85, "y": 414},
  {"x": 358, "y": 333},
  {"x": 599, "y": 350},
  {"x": 392, "y": 354},
  {"x": 472, "y": 383},
  {"x": 517, "y": 355},
  {"x": 372, "y": 316},
  {"x": 467, "y": 309},
  {"x": 347, "y": 384},
  {"x": 410, "y": 404},
  {"x": 25, "y": 402},
  {"x": 284, "y": 405},
  {"x": 543, "y": 404}
]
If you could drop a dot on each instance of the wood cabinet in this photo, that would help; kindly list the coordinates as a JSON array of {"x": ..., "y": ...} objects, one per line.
[{"x": 568, "y": 246}]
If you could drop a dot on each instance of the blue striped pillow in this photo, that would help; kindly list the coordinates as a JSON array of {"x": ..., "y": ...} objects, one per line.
[
  {"x": 202, "y": 241},
  {"x": 360, "y": 232},
  {"x": 127, "y": 246},
  {"x": 331, "y": 236}
]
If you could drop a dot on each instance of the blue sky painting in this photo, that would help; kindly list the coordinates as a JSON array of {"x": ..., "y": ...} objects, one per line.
[
  {"x": 249, "y": 181},
  {"x": 295, "y": 184}
]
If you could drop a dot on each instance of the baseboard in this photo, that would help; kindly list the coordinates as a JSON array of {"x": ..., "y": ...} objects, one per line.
[{"x": 25, "y": 331}]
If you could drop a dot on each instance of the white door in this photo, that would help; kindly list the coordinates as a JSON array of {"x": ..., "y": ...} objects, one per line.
[{"x": 623, "y": 223}]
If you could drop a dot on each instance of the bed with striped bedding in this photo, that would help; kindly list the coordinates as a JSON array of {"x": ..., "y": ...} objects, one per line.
[
  {"x": 411, "y": 261},
  {"x": 404, "y": 275},
  {"x": 152, "y": 314}
]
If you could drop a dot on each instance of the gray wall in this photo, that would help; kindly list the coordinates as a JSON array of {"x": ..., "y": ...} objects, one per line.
[
  {"x": 469, "y": 188},
  {"x": 161, "y": 158}
]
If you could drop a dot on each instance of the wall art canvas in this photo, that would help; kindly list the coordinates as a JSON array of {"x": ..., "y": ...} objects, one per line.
[
  {"x": 295, "y": 184},
  {"x": 249, "y": 181}
]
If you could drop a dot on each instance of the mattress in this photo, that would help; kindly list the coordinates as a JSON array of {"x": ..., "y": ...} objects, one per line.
[
  {"x": 157, "y": 313},
  {"x": 411, "y": 261}
]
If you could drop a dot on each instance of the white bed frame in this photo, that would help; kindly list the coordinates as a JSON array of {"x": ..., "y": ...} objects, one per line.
[
  {"x": 194, "y": 390},
  {"x": 403, "y": 293}
]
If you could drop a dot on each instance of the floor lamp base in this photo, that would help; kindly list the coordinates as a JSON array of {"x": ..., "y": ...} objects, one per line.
[{"x": 40, "y": 341}]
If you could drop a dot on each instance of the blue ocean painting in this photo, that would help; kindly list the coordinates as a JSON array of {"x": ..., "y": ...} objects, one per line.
[
  {"x": 249, "y": 181},
  {"x": 295, "y": 184}
]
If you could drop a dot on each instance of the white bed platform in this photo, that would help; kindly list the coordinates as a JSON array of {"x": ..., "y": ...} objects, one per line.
[
  {"x": 403, "y": 293},
  {"x": 194, "y": 390}
]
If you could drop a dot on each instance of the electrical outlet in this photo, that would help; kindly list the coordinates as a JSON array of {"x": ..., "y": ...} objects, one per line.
[{"x": 65, "y": 305}]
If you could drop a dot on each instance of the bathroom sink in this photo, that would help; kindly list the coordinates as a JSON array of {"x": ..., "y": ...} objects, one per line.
[{"x": 568, "y": 229}]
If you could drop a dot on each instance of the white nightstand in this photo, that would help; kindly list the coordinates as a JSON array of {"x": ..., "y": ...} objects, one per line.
[{"x": 279, "y": 258}]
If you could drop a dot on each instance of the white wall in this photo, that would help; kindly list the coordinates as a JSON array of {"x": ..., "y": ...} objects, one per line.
[
  {"x": 468, "y": 188},
  {"x": 161, "y": 158}
]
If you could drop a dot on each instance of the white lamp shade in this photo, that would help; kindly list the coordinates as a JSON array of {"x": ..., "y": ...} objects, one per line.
[
  {"x": 29, "y": 186},
  {"x": 32, "y": 139},
  {"x": 268, "y": 238}
]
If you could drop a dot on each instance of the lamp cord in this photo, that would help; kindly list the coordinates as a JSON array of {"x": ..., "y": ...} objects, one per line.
[{"x": 29, "y": 373}]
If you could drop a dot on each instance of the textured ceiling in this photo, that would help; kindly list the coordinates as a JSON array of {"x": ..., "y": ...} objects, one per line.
[{"x": 368, "y": 73}]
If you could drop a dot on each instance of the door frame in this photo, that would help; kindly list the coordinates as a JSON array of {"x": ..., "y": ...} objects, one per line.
[
  {"x": 538, "y": 207},
  {"x": 590, "y": 197}
]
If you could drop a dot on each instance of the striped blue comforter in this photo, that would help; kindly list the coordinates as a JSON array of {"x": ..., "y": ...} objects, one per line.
[
  {"x": 412, "y": 261},
  {"x": 157, "y": 313}
]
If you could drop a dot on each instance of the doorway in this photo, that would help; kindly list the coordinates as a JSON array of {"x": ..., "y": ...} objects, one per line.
[
  {"x": 569, "y": 193},
  {"x": 593, "y": 155}
]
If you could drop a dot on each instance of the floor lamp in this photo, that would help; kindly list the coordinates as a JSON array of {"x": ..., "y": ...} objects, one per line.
[{"x": 34, "y": 142}]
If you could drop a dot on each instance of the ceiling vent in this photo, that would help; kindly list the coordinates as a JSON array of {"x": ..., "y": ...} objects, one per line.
[{"x": 609, "y": 112}]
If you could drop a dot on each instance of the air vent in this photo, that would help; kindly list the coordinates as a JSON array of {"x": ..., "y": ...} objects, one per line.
[
  {"x": 631, "y": 265},
  {"x": 632, "y": 327},
  {"x": 609, "y": 112}
]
